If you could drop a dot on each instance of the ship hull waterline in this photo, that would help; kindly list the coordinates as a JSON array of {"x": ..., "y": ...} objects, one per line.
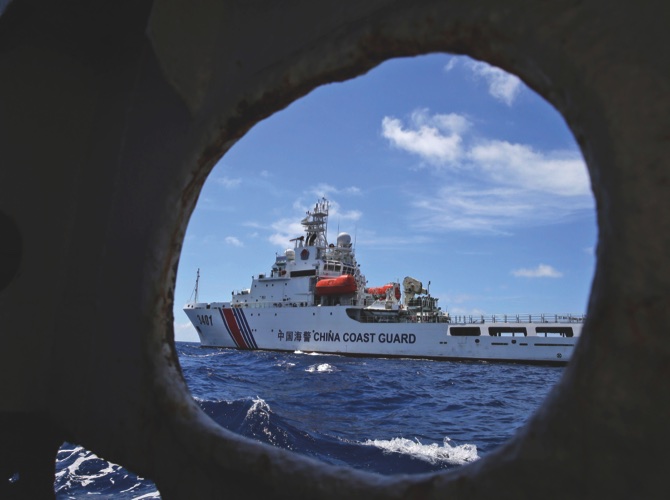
[{"x": 291, "y": 329}]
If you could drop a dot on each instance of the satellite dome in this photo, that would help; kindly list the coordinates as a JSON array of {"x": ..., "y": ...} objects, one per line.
[{"x": 343, "y": 240}]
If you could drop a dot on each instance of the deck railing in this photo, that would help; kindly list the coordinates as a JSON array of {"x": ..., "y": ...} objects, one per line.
[
  {"x": 518, "y": 318},
  {"x": 453, "y": 319}
]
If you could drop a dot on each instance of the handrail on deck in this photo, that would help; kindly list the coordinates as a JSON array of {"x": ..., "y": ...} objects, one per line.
[{"x": 519, "y": 318}]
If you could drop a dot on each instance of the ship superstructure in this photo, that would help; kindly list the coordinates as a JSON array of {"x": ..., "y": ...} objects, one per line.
[{"x": 315, "y": 299}]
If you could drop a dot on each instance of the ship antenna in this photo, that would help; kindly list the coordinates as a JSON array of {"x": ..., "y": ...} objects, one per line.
[
  {"x": 194, "y": 295},
  {"x": 327, "y": 206}
]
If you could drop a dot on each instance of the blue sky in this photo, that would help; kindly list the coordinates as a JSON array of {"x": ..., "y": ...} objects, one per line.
[{"x": 441, "y": 168}]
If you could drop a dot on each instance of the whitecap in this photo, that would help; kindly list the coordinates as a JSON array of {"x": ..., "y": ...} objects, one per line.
[
  {"x": 320, "y": 368},
  {"x": 71, "y": 475},
  {"x": 285, "y": 364},
  {"x": 432, "y": 453},
  {"x": 259, "y": 406},
  {"x": 312, "y": 353}
]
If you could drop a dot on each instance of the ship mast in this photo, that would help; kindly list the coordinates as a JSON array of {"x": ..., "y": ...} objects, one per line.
[
  {"x": 316, "y": 224},
  {"x": 194, "y": 294}
]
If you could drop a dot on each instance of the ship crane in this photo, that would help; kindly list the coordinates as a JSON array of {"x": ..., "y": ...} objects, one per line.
[{"x": 411, "y": 288}]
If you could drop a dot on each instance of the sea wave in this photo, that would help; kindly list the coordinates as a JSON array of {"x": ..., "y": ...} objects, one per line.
[
  {"x": 321, "y": 368},
  {"x": 431, "y": 453},
  {"x": 341, "y": 411},
  {"x": 80, "y": 472}
]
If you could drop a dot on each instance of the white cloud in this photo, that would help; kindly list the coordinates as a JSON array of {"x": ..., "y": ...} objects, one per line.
[
  {"x": 436, "y": 139},
  {"x": 228, "y": 183},
  {"x": 372, "y": 240},
  {"x": 232, "y": 240},
  {"x": 558, "y": 172},
  {"x": 353, "y": 190},
  {"x": 541, "y": 271},
  {"x": 285, "y": 230},
  {"x": 473, "y": 210},
  {"x": 503, "y": 86},
  {"x": 451, "y": 64},
  {"x": 323, "y": 190},
  {"x": 509, "y": 184},
  {"x": 492, "y": 210},
  {"x": 280, "y": 240}
]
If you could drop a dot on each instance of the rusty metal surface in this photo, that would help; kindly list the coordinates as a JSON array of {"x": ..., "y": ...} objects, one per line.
[{"x": 113, "y": 113}]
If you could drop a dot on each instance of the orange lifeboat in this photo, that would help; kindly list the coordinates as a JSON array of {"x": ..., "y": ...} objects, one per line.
[
  {"x": 336, "y": 286},
  {"x": 380, "y": 291}
]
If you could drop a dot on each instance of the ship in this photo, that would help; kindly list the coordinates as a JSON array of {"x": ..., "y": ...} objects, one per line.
[{"x": 315, "y": 299}]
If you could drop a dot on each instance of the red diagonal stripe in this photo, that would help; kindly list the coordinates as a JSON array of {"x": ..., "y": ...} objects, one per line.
[{"x": 234, "y": 329}]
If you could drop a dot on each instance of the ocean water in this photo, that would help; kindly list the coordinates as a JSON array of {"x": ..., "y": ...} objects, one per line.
[{"x": 378, "y": 415}]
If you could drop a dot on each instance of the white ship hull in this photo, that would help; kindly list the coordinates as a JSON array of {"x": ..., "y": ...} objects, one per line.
[
  {"x": 316, "y": 299},
  {"x": 330, "y": 330}
]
